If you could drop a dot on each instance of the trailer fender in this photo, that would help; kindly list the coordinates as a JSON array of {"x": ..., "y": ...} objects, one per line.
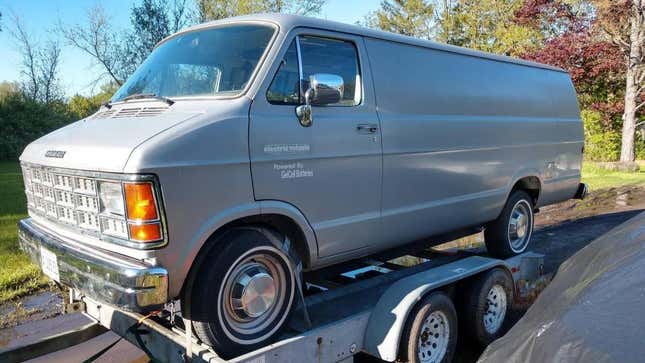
[{"x": 388, "y": 317}]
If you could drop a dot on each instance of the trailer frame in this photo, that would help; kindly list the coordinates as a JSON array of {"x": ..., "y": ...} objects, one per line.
[{"x": 366, "y": 315}]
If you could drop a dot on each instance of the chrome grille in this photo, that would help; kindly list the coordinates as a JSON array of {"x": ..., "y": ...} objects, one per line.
[{"x": 69, "y": 200}]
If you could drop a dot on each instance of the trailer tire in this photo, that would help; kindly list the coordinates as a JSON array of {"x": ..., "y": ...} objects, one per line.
[
  {"x": 510, "y": 234},
  {"x": 489, "y": 297},
  {"x": 244, "y": 291},
  {"x": 431, "y": 328}
]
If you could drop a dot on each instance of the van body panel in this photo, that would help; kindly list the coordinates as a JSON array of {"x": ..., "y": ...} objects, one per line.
[
  {"x": 329, "y": 171},
  {"x": 457, "y": 130}
]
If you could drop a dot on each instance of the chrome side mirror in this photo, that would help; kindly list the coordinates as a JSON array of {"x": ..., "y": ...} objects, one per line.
[
  {"x": 324, "y": 89},
  {"x": 303, "y": 112}
]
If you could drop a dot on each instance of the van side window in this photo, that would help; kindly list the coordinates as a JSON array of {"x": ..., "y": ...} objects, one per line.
[
  {"x": 284, "y": 89},
  {"x": 339, "y": 57}
]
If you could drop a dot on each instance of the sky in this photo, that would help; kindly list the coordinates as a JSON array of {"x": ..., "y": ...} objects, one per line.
[{"x": 77, "y": 70}]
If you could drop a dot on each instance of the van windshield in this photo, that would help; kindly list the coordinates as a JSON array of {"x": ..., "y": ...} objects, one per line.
[{"x": 217, "y": 61}]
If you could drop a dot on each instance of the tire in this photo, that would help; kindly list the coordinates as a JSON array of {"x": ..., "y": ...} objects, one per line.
[
  {"x": 434, "y": 313},
  {"x": 502, "y": 239},
  {"x": 488, "y": 301},
  {"x": 243, "y": 293}
]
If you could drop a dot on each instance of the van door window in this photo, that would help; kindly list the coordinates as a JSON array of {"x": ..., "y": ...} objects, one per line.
[
  {"x": 285, "y": 88},
  {"x": 339, "y": 57}
]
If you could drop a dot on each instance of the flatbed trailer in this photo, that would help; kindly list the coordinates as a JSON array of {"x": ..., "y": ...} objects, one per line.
[{"x": 362, "y": 310}]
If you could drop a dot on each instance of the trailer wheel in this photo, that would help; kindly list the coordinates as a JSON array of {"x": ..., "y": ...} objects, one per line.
[
  {"x": 243, "y": 293},
  {"x": 510, "y": 233},
  {"x": 430, "y": 333},
  {"x": 488, "y": 300}
]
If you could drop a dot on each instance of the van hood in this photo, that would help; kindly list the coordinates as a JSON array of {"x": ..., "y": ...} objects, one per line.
[{"x": 99, "y": 143}]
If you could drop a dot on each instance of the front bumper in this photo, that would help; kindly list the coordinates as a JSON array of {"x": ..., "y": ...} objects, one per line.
[{"x": 108, "y": 277}]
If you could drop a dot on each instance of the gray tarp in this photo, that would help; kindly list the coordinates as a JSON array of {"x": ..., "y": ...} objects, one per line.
[{"x": 593, "y": 310}]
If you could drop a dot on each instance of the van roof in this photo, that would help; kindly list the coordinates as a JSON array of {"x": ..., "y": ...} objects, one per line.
[{"x": 286, "y": 22}]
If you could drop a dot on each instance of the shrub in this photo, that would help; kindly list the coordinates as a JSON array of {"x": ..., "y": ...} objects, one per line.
[
  {"x": 23, "y": 121},
  {"x": 603, "y": 147},
  {"x": 640, "y": 144},
  {"x": 600, "y": 144}
]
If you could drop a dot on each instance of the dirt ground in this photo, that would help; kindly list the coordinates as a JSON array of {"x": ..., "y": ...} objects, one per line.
[{"x": 561, "y": 230}]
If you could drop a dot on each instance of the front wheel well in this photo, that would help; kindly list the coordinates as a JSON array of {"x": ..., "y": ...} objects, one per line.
[
  {"x": 274, "y": 222},
  {"x": 531, "y": 185},
  {"x": 282, "y": 225}
]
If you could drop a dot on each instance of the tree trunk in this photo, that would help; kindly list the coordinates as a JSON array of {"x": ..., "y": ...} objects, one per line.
[
  {"x": 631, "y": 85},
  {"x": 629, "y": 119}
]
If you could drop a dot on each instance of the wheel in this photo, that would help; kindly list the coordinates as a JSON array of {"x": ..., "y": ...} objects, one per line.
[
  {"x": 510, "y": 233},
  {"x": 243, "y": 292},
  {"x": 430, "y": 333},
  {"x": 488, "y": 301}
]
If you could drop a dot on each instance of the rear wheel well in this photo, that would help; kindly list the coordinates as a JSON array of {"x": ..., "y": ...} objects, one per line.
[
  {"x": 531, "y": 185},
  {"x": 275, "y": 222}
]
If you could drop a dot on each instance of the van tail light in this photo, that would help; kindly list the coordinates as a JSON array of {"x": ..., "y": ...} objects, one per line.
[{"x": 143, "y": 214}]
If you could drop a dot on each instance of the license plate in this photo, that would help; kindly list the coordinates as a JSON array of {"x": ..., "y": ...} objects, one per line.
[{"x": 49, "y": 264}]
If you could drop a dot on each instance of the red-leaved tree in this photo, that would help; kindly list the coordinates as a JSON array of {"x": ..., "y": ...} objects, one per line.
[{"x": 575, "y": 42}]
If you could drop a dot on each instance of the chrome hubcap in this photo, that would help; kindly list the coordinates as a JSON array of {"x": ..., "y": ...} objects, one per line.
[
  {"x": 519, "y": 226},
  {"x": 433, "y": 341},
  {"x": 255, "y": 292},
  {"x": 495, "y": 309}
]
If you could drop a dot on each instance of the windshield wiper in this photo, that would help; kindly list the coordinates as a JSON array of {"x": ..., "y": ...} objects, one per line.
[{"x": 138, "y": 96}]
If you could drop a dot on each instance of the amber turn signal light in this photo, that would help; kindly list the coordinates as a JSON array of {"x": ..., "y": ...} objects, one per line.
[
  {"x": 140, "y": 201},
  {"x": 145, "y": 232}
]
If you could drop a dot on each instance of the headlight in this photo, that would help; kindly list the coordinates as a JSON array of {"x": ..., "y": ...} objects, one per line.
[
  {"x": 138, "y": 215},
  {"x": 111, "y": 198}
]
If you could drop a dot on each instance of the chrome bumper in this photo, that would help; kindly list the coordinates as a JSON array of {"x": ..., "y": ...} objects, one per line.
[{"x": 108, "y": 277}]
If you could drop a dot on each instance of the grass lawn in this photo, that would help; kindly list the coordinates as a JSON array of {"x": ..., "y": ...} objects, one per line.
[
  {"x": 18, "y": 276},
  {"x": 598, "y": 178}
]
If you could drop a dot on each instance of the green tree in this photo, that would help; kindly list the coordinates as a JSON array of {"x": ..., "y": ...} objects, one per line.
[
  {"x": 488, "y": 25},
  {"x": 408, "y": 17},
  {"x": 120, "y": 52},
  {"x": 220, "y": 9},
  {"x": 23, "y": 120},
  {"x": 151, "y": 22},
  {"x": 81, "y": 106}
]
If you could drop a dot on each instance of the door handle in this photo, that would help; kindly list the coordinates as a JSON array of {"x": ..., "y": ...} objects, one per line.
[{"x": 367, "y": 128}]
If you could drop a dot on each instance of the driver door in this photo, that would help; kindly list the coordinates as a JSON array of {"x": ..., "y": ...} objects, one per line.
[{"x": 330, "y": 170}]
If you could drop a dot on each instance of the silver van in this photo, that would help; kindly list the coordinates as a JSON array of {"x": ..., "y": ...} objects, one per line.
[{"x": 245, "y": 151}]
